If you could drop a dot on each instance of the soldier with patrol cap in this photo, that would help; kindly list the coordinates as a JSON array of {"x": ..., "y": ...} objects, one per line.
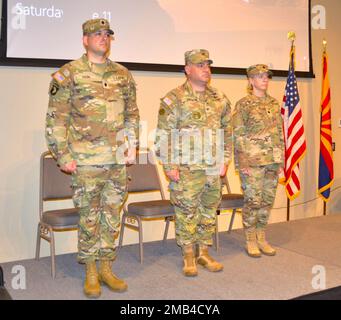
[
  {"x": 259, "y": 156},
  {"x": 197, "y": 116},
  {"x": 92, "y": 130}
]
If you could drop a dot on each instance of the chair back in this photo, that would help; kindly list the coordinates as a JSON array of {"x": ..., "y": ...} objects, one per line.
[
  {"x": 225, "y": 181},
  {"x": 144, "y": 175},
  {"x": 54, "y": 183}
]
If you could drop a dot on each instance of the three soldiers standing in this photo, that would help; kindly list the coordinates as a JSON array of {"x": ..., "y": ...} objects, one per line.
[{"x": 92, "y": 112}]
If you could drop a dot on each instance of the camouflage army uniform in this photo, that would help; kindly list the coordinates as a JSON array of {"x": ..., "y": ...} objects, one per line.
[
  {"x": 92, "y": 112},
  {"x": 196, "y": 196},
  {"x": 259, "y": 147}
]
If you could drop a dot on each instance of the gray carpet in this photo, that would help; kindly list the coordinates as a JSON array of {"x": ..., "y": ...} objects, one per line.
[{"x": 301, "y": 245}]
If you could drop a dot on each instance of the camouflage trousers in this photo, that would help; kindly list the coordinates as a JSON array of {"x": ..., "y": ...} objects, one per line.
[
  {"x": 195, "y": 197},
  {"x": 99, "y": 193},
  {"x": 259, "y": 194}
]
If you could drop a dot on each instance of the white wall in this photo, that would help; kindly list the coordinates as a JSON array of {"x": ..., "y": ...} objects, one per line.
[{"x": 24, "y": 98}]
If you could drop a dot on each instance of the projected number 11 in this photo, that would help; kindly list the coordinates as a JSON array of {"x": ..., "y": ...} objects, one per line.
[{"x": 105, "y": 15}]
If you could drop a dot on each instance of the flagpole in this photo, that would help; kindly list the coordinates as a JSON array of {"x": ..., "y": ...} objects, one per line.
[
  {"x": 291, "y": 37},
  {"x": 324, "y": 42}
]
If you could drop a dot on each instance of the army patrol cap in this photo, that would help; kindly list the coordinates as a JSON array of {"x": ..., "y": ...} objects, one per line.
[
  {"x": 95, "y": 25},
  {"x": 197, "y": 56},
  {"x": 258, "y": 69}
]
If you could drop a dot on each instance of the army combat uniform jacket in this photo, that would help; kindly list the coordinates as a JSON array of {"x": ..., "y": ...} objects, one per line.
[
  {"x": 258, "y": 132},
  {"x": 184, "y": 112},
  {"x": 92, "y": 111}
]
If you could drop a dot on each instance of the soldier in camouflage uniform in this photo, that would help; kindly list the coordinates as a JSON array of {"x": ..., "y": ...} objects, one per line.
[
  {"x": 92, "y": 123},
  {"x": 259, "y": 156},
  {"x": 194, "y": 138}
]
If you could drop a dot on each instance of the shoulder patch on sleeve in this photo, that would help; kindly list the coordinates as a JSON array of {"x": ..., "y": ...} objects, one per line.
[
  {"x": 167, "y": 101},
  {"x": 59, "y": 77},
  {"x": 54, "y": 88},
  {"x": 66, "y": 72},
  {"x": 62, "y": 75}
]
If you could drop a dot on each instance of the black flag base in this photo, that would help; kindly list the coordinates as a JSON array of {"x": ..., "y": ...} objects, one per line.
[
  {"x": 288, "y": 209},
  {"x": 324, "y": 208},
  {"x": 4, "y": 295}
]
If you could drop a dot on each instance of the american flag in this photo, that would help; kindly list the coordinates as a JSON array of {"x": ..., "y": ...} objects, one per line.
[{"x": 294, "y": 138}]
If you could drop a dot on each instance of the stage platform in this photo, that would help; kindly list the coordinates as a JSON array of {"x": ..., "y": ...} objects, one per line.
[{"x": 305, "y": 247}]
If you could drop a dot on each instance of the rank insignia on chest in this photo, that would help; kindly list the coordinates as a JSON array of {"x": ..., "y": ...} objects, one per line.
[{"x": 196, "y": 115}]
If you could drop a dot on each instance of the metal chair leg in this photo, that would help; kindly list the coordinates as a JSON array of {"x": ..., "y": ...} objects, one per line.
[
  {"x": 139, "y": 221},
  {"x": 38, "y": 242},
  {"x": 232, "y": 220},
  {"x": 52, "y": 249},
  {"x": 166, "y": 229}
]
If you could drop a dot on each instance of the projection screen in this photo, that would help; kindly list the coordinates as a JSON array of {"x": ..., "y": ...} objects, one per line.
[{"x": 154, "y": 34}]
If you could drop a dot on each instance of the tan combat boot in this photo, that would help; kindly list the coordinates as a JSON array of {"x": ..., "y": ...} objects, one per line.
[
  {"x": 92, "y": 288},
  {"x": 251, "y": 243},
  {"x": 207, "y": 261},
  {"x": 190, "y": 266},
  {"x": 107, "y": 277},
  {"x": 263, "y": 245}
]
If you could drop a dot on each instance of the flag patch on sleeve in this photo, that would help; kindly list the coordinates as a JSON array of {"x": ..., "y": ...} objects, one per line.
[
  {"x": 167, "y": 101},
  {"x": 58, "y": 77}
]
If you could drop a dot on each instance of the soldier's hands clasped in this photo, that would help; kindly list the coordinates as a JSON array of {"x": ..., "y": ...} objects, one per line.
[
  {"x": 131, "y": 156},
  {"x": 70, "y": 167}
]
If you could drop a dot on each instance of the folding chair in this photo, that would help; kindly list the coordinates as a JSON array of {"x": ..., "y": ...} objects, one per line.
[
  {"x": 145, "y": 178},
  {"x": 229, "y": 201},
  {"x": 54, "y": 185}
]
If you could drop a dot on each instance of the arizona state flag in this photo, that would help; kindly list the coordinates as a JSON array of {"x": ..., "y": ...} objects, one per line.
[{"x": 326, "y": 168}]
